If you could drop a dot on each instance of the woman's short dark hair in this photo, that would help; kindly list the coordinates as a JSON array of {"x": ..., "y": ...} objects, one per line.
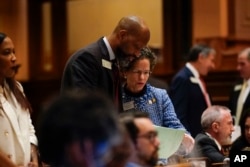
[
  {"x": 145, "y": 53},
  {"x": 245, "y": 115}
]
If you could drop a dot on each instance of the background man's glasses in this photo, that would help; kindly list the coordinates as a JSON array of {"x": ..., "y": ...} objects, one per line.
[{"x": 150, "y": 136}]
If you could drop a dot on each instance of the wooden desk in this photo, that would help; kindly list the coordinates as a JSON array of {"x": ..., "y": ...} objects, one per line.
[
  {"x": 199, "y": 162},
  {"x": 221, "y": 164},
  {"x": 187, "y": 164}
]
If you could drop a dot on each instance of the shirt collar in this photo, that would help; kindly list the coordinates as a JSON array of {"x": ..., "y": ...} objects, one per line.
[
  {"x": 248, "y": 81},
  {"x": 216, "y": 142},
  {"x": 110, "y": 51},
  {"x": 193, "y": 70}
]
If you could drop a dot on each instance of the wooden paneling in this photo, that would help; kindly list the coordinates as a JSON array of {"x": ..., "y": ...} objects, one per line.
[
  {"x": 177, "y": 35},
  {"x": 220, "y": 84},
  {"x": 58, "y": 52}
]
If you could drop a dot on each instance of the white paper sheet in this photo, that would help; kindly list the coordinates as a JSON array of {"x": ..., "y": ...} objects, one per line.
[{"x": 170, "y": 140}]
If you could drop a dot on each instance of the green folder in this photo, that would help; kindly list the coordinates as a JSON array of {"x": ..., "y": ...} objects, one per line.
[{"x": 170, "y": 140}]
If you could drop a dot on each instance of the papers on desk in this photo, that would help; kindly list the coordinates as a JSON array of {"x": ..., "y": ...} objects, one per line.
[{"x": 170, "y": 140}]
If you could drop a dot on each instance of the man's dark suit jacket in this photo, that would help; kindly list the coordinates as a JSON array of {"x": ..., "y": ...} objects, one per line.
[
  {"x": 188, "y": 100},
  {"x": 206, "y": 147},
  {"x": 233, "y": 100},
  {"x": 88, "y": 70}
]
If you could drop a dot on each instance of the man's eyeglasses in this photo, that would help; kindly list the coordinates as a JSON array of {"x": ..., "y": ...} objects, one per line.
[
  {"x": 140, "y": 72},
  {"x": 150, "y": 136}
]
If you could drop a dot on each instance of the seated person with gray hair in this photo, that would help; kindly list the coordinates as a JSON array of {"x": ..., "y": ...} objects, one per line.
[{"x": 217, "y": 124}]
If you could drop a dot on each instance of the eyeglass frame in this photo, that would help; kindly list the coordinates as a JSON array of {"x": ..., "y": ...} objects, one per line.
[
  {"x": 140, "y": 72},
  {"x": 151, "y": 136}
]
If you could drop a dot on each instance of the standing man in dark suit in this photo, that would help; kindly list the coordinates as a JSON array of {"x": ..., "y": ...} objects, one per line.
[
  {"x": 188, "y": 91},
  {"x": 91, "y": 67},
  {"x": 239, "y": 99},
  {"x": 217, "y": 125}
]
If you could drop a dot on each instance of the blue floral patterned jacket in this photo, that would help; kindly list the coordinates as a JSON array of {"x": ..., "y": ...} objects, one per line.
[{"x": 156, "y": 103}]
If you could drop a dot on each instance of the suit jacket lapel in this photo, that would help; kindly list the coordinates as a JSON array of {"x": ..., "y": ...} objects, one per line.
[
  {"x": 247, "y": 102},
  {"x": 11, "y": 115},
  {"x": 105, "y": 56}
]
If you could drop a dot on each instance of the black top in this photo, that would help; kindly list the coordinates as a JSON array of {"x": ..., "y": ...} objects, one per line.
[{"x": 240, "y": 144}]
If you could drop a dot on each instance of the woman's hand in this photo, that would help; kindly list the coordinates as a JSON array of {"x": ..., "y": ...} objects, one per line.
[
  {"x": 34, "y": 157},
  {"x": 188, "y": 143}
]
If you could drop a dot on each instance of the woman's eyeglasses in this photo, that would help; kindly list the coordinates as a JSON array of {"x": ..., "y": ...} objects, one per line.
[{"x": 140, "y": 72}]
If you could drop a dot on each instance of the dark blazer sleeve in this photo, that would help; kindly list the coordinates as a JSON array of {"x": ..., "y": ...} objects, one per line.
[
  {"x": 84, "y": 70},
  {"x": 233, "y": 98},
  {"x": 208, "y": 148},
  {"x": 179, "y": 94},
  {"x": 81, "y": 71}
]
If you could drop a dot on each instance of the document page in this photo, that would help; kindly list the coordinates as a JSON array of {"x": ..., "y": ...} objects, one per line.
[{"x": 170, "y": 140}]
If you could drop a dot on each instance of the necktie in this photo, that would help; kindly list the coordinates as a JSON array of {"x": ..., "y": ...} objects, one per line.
[
  {"x": 205, "y": 94},
  {"x": 240, "y": 102}
]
